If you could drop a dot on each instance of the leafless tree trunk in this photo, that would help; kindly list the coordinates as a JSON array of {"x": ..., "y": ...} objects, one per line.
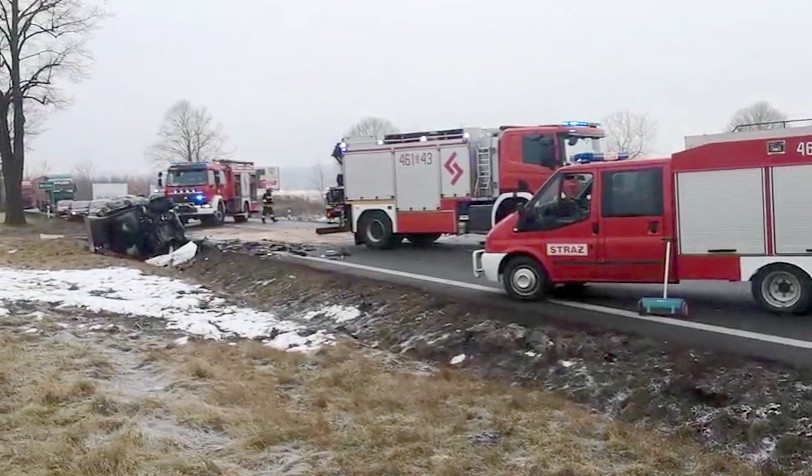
[
  {"x": 757, "y": 114},
  {"x": 630, "y": 132},
  {"x": 39, "y": 40},
  {"x": 318, "y": 177},
  {"x": 372, "y": 126},
  {"x": 188, "y": 134},
  {"x": 83, "y": 179}
]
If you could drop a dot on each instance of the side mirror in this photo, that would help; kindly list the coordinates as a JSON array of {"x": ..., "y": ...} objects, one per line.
[
  {"x": 217, "y": 179},
  {"x": 160, "y": 179},
  {"x": 521, "y": 210}
]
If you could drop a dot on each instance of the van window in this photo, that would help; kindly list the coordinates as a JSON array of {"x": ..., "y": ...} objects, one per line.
[
  {"x": 564, "y": 200},
  {"x": 632, "y": 193}
]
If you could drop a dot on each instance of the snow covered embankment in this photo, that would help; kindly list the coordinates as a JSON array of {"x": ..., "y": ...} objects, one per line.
[{"x": 186, "y": 307}]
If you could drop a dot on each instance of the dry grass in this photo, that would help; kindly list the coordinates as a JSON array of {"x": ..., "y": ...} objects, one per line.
[
  {"x": 56, "y": 420},
  {"x": 85, "y": 408},
  {"x": 22, "y": 247},
  {"x": 356, "y": 415}
]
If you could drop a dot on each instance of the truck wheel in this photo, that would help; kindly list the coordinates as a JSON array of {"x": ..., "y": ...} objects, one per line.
[
  {"x": 783, "y": 289},
  {"x": 525, "y": 279},
  {"x": 423, "y": 240},
  {"x": 242, "y": 218},
  {"x": 376, "y": 231},
  {"x": 218, "y": 218}
]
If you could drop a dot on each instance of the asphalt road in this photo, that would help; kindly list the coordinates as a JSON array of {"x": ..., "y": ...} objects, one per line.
[
  {"x": 711, "y": 302},
  {"x": 722, "y": 304}
]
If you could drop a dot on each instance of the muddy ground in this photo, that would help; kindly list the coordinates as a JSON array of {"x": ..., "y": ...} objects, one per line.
[{"x": 760, "y": 410}]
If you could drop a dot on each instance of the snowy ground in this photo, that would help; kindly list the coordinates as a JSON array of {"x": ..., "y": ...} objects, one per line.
[
  {"x": 378, "y": 401},
  {"x": 190, "y": 308}
]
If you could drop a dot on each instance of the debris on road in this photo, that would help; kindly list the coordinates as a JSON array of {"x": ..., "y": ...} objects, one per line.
[
  {"x": 176, "y": 257},
  {"x": 263, "y": 248}
]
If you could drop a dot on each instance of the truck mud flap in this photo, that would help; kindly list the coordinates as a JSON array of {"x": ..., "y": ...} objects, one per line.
[{"x": 326, "y": 230}]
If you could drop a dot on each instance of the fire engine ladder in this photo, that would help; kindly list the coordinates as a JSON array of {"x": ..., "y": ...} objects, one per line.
[{"x": 484, "y": 179}]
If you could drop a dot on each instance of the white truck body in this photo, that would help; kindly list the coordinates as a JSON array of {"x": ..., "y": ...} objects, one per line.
[{"x": 109, "y": 191}]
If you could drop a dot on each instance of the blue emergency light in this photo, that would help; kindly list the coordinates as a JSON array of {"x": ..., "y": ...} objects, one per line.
[
  {"x": 580, "y": 124},
  {"x": 589, "y": 157},
  {"x": 199, "y": 198}
]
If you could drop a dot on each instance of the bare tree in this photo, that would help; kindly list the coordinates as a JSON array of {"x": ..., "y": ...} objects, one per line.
[
  {"x": 372, "y": 126},
  {"x": 36, "y": 169},
  {"x": 188, "y": 134},
  {"x": 630, "y": 132},
  {"x": 757, "y": 114},
  {"x": 85, "y": 175},
  {"x": 40, "y": 40},
  {"x": 85, "y": 169},
  {"x": 317, "y": 178}
]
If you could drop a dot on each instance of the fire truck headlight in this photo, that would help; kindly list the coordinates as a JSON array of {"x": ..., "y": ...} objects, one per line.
[{"x": 206, "y": 205}]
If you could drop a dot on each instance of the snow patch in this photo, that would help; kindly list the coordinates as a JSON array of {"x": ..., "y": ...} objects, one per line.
[
  {"x": 458, "y": 359},
  {"x": 336, "y": 313},
  {"x": 186, "y": 307},
  {"x": 3, "y": 311}
]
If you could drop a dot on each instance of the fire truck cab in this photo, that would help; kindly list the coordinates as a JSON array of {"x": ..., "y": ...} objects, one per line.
[
  {"x": 210, "y": 191},
  {"x": 421, "y": 185},
  {"x": 735, "y": 206}
]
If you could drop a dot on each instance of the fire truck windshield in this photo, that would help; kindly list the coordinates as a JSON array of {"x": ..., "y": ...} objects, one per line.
[
  {"x": 187, "y": 177},
  {"x": 576, "y": 145}
]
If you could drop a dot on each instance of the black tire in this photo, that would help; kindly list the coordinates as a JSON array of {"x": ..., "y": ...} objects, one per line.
[
  {"x": 783, "y": 289},
  {"x": 218, "y": 218},
  {"x": 423, "y": 240},
  {"x": 376, "y": 231},
  {"x": 242, "y": 218},
  {"x": 521, "y": 269}
]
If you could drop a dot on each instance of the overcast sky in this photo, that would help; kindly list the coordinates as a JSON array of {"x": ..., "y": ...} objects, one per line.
[{"x": 286, "y": 78}]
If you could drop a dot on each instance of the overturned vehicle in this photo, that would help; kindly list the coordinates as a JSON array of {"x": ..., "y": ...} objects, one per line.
[{"x": 135, "y": 226}]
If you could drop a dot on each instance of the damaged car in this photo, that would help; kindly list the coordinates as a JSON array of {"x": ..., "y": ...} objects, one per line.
[{"x": 136, "y": 227}]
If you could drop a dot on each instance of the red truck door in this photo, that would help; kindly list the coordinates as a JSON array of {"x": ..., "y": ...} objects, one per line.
[
  {"x": 561, "y": 223},
  {"x": 633, "y": 224}
]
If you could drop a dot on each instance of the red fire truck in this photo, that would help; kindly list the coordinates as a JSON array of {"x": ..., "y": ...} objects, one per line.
[
  {"x": 421, "y": 185},
  {"x": 736, "y": 207},
  {"x": 210, "y": 191}
]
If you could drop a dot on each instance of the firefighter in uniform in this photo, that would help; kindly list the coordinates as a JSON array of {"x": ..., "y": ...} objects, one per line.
[{"x": 267, "y": 205}]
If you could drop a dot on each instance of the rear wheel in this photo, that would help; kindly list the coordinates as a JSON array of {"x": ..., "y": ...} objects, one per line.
[
  {"x": 783, "y": 289},
  {"x": 376, "y": 230},
  {"x": 423, "y": 240},
  {"x": 242, "y": 218},
  {"x": 525, "y": 279}
]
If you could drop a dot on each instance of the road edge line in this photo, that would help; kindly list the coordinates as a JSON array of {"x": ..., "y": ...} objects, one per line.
[{"x": 786, "y": 341}]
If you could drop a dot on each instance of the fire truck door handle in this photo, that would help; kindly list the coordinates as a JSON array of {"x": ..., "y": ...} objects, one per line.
[
  {"x": 595, "y": 228},
  {"x": 653, "y": 226}
]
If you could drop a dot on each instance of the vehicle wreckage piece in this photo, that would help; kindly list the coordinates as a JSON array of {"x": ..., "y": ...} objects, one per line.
[{"x": 135, "y": 226}]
